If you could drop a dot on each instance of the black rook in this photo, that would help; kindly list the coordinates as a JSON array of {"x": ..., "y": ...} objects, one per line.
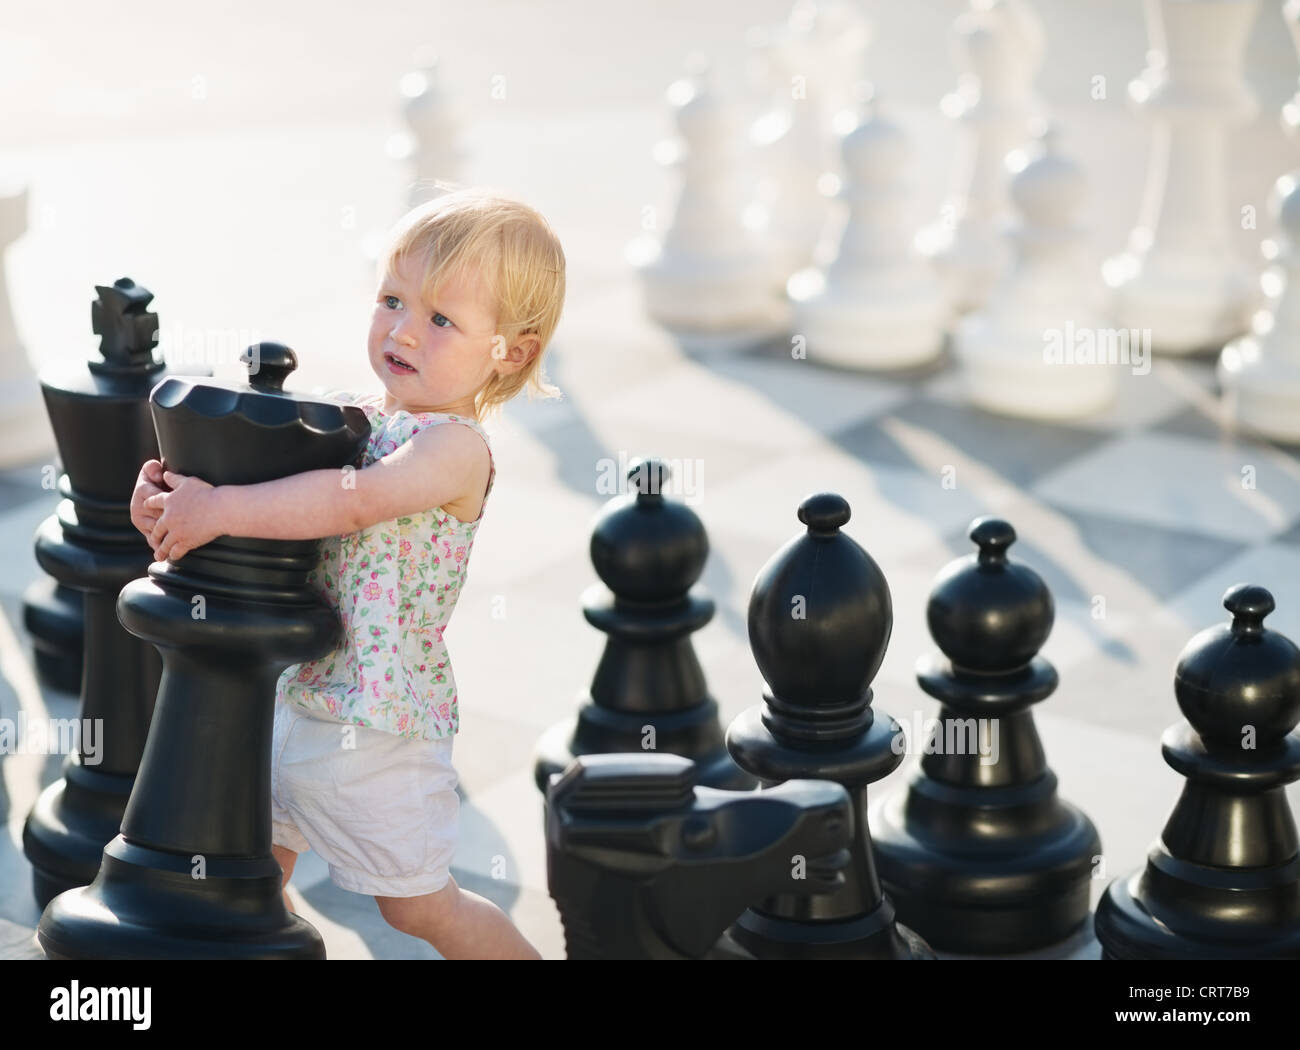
[{"x": 192, "y": 875}]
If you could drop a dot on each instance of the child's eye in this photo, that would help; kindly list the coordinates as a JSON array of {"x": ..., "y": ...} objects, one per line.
[
  {"x": 439, "y": 323},
  {"x": 390, "y": 300}
]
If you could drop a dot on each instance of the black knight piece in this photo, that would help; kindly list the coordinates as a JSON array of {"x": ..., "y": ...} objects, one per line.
[
  {"x": 1223, "y": 880},
  {"x": 649, "y": 552},
  {"x": 820, "y": 617},
  {"x": 643, "y": 864},
  {"x": 99, "y": 410},
  {"x": 979, "y": 854},
  {"x": 192, "y": 875}
]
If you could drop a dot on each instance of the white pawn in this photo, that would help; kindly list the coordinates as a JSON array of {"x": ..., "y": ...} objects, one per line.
[
  {"x": 879, "y": 305},
  {"x": 709, "y": 279},
  {"x": 813, "y": 62},
  {"x": 430, "y": 143},
  {"x": 1260, "y": 372},
  {"x": 1179, "y": 277},
  {"x": 25, "y": 433},
  {"x": 999, "y": 44},
  {"x": 1034, "y": 350}
]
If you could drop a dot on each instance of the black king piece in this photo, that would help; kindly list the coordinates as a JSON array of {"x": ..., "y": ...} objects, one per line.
[
  {"x": 100, "y": 414},
  {"x": 820, "y": 617},
  {"x": 192, "y": 875}
]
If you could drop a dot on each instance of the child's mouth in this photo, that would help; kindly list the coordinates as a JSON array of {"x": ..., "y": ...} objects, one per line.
[{"x": 397, "y": 366}]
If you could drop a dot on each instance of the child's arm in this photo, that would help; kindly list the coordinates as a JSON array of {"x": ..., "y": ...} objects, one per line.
[{"x": 434, "y": 468}]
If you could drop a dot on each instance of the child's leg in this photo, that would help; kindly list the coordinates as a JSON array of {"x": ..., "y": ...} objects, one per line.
[
  {"x": 460, "y": 924},
  {"x": 286, "y": 858}
]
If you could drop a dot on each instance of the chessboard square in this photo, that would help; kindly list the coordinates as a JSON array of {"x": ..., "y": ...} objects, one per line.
[
  {"x": 504, "y": 644},
  {"x": 770, "y": 406},
  {"x": 491, "y": 747},
  {"x": 1141, "y": 399},
  {"x": 1079, "y": 552},
  {"x": 1272, "y": 566},
  {"x": 1245, "y": 494},
  {"x": 894, "y": 511},
  {"x": 1209, "y": 422},
  {"x": 502, "y": 834},
  {"x": 1015, "y": 450},
  {"x": 504, "y": 552},
  {"x": 1291, "y": 536},
  {"x": 827, "y": 398}
]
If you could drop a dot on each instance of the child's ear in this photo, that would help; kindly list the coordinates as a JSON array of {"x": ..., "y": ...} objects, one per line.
[{"x": 524, "y": 351}]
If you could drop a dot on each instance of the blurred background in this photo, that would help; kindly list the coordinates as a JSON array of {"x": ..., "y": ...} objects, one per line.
[
  {"x": 244, "y": 164},
  {"x": 235, "y": 163}
]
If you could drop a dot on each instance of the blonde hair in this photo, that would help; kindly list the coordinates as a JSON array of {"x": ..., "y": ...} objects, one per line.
[{"x": 515, "y": 251}]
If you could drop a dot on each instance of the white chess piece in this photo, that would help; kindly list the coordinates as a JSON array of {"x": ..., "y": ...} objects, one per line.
[
  {"x": 879, "y": 305},
  {"x": 812, "y": 62},
  {"x": 430, "y": 144},
  {"x": 1038, "y": 348},
  {"x": 1179, "y": 277},
  {"x": 1291, "y": 111},
  {"x": 1260, "y": 372},
  {"x": 25, "y": 433},
  {"x": 709, "y": 279},
  {"x": 999, "y": 45}
]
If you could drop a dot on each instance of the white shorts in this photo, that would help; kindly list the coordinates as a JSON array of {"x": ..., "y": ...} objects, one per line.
[{"x": 382, "y": 814}]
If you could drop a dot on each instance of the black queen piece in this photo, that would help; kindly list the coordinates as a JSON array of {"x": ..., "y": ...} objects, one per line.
[{"x": 192, "y": 874}]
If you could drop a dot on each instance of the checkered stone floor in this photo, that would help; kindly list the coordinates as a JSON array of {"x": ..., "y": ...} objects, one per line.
[
  {"x": 1137, "y": 518},
  {"x": 1138, "y": 530}
]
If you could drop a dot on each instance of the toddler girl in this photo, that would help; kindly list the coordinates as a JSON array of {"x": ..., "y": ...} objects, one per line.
[{"x": 470, "y": 293}]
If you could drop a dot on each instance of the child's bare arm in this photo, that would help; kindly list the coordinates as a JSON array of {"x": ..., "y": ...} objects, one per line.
[{"x": 434, "y": 468}]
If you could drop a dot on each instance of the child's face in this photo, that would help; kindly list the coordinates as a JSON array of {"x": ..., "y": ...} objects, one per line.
[{"x": 447, "y": 344}]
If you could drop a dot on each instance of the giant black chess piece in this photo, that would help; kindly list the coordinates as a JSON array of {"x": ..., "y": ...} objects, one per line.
[
  {"x": 192, "y": 875},
  {"x": 1223, "y": 880},
  {"x": 643, "y": 864},
  {"x": 648, "y": 551},
  {"x": 54, "y": 618},
  {"x": 99, "y": 410},
  {"x": 979, "y": 854},
  {"x": 820, "y": 616}
]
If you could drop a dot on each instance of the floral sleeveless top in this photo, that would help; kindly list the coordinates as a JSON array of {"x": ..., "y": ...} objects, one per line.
[{"x": 394, "y": 585}]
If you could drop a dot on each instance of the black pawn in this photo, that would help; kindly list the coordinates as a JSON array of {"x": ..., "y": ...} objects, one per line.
[
  {"x": 820, "y": 616},
  {"x": 649, "y": 692},
  {"x": 1223, "y": 881},
  {"x": 979, "y": 854}
]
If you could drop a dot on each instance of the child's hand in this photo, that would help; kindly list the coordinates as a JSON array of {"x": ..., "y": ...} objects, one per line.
[
  {"x": 149, "y": 482},
  {"x": 186, "y": 517}
]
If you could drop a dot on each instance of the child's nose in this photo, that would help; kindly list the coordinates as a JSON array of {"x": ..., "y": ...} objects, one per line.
[{"x": 402, "y": 333}]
